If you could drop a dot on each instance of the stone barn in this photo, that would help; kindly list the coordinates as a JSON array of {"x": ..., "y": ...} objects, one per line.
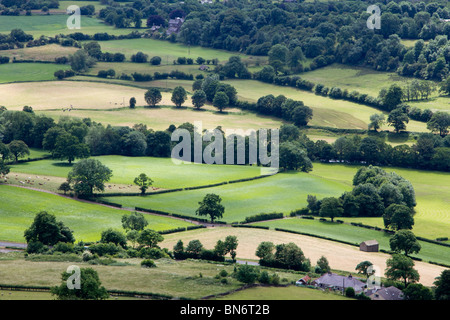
[{"x": 369, "y": 246}]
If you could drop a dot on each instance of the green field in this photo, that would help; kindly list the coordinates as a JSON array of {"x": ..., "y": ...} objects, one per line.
[
  {"x": 326, "y": 112},
  {"x": 282, "y": 293},
  {"x": 170, "y": 277},
  {"x": 432, "y": 218},
  {"x": 42, "y": 53},
  {"x": 20, "y": 72},
  {"x": 280, "y": 193},
  {"x": 51, "y": 25},
  {"x": 85, "y": 219},
  {"x": 169, "y": 51},
  {"x": 163, "y": 171}
]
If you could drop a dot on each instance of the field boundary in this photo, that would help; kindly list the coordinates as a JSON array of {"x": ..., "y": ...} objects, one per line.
[{"x": 112, "y": 292}]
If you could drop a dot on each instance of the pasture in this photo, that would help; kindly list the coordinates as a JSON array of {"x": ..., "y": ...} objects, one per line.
[
  {"x": 326, "y": 112},
  {"x": 42, "y": 53},
  {"x": 21, "y": 72},
  {"x": 282, "y": 192},
  {"x": 165, "y": 173},
  {"x": 432, "y": 218},
  {"x": 87, "y": 220},
  {"x": 51, "y": 25},
  {"x": 169, "y": 51},
  {"x": 282, "y": 293},
  {"x": 190, "y": 278}
]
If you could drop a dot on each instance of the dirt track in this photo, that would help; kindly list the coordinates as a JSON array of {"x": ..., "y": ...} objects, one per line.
[{"x": 340, "y": 256}]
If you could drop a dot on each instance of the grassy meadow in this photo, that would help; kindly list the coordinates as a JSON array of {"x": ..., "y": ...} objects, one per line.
[
  {"x": 24, "y": 72},
  {"x": 169, "y": 51},
  {"x": 282, "y": 293},
  {"x": 51, "y": 25},
  {"x": 189, "y": 279},
  {"x": 326, "y": 112},
  {"x": 282, "y": 192},
  {"x": 87, "y": 220},
  {"x": 165, "y": 173}
]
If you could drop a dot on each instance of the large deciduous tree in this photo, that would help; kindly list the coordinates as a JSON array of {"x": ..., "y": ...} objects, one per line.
[
  {"x": 401, "y": 267},
  {"x": 89, "y": 175},
  {"x": 210, "y": 206},
  {"x": 153, "y": 96},
  {"x": 46, "y": 230}
]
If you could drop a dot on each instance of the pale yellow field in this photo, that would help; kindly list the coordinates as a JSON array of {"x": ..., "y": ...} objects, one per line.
[{"x": 340, "y": 256}]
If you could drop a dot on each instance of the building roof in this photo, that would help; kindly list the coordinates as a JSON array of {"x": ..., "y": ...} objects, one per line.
[
  {"x": 335, "y": 280},
  {"x": 370, "y": 242},
  {"x": 389, "y": 293}
]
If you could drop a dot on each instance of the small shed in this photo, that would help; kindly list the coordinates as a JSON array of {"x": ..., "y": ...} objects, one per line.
[
  {"x": 303, "y": 281},
  {"x": 369, "y": 246}
]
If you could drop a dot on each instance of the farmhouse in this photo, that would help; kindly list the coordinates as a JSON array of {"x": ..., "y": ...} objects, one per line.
[
  {"x": 389, "y": 293},
  {"x": 175, "y": 25},
  {"x": 369, "y": 246},
  {"x": 336, "y": 282}
]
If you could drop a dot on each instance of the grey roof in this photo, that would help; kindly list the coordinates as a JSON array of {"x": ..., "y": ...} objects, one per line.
[
  {"x": 335, "y": 280},
  {"x": 370, "y": 242},
  {"x": 389, "y": 293}
]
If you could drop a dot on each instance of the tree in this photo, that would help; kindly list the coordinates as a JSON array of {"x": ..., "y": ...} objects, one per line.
[
  {"x": 400, "y": 267},
  {"x": 294, "y": 157},
  {"x": 114, "y": 236},
  {"x": 132, "y": 102},
  {"x": 417, "y": 291},
  {"x": 179, "y": 96},
  {"x": 404, "y": 240},
  {"x": 398, "y": 118},
  {"x": 290, "y": 256},
  {"x": 278, "y": 56},
  {"x": 331, "y": 207},
  {"x": 376, "y": 121},
  {"x": 139, "y": 57},
  {"x": 65, "y": 187},
  {"x": 198, "y": 98},
  {"x": 301, "y": 115},
  {"x": 46, "y": 230},
  {"x": 155, "y": 60},
  {"x": 90, "y": 287},
  {"x": 68, "y": 146},
  {"x": 153, "y": 96},
  {"x": 210, "y": 206},
  {"x": 143, "y": 181},
  {"x": 135, "y": 221},
  {"x": 247, "y": 274},
  {"x": 393, "y": 97},
  {"x": 150, "y": 238},
  {"x": 194, "y": 248},
  {"x": 363, "y": 268},
  {"x": 231, "y": 243},
  {"x": 442, "y": 284},
  {"x": 80, "y": 61},
  {"x": 4, "y": 169},
  {"x": 221, "y": 100},
  {"x": 89, "y": 175},
  {"x": 439, "y": 122},
  {"x": 398, "y": 216},
  {"x": 323, "y": 265},
  {"x": 265, "y": 252},
  {"x": 18, "y": 149}
]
